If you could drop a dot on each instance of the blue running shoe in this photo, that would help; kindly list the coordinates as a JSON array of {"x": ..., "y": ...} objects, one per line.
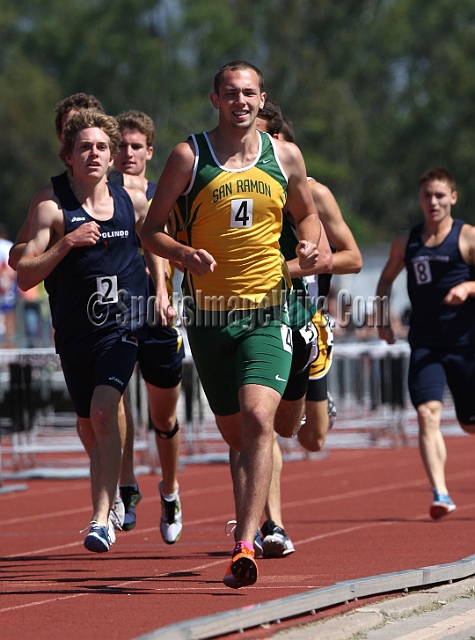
[
  {"x": 98, "y": 539},
  {"x": 442, "y": 505}
]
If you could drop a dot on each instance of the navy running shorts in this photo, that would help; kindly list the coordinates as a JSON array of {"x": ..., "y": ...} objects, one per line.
[
  {"x": 160, "y": 357},
  {"x": 112, "y": 366},
  {"x": 432, "y": 368}
]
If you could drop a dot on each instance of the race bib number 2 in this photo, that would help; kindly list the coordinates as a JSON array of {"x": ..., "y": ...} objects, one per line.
[
  {"x": 241, "y": 213},
  {"x": 107, "y": 289}
]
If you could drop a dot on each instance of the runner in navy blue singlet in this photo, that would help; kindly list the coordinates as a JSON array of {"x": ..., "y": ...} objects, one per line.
[
  {"x": 83, "y": 243},
  {"x": 439, "y": 256}
]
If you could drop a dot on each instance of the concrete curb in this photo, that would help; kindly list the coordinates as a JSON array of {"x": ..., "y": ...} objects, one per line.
[
  {"x": 373, "y": 616},
  {"x": 301, "y": 604}
]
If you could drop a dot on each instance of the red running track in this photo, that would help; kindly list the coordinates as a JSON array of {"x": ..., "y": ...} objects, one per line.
[{"x": 352, "y": 514}]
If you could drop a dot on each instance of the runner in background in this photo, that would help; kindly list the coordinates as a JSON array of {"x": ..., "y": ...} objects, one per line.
[
  {"x": 159, "y": 356},
  {"x": 439, "y": 256},
  {"x": 305, "y": 400},
  {"x": 8, "y": 293}
]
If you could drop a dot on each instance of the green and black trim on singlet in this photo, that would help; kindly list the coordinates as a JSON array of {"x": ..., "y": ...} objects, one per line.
[{"x": 301, "y": 307}]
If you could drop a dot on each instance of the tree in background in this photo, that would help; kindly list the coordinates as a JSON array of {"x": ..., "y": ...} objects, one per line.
[{"x": 377, "y": 90}]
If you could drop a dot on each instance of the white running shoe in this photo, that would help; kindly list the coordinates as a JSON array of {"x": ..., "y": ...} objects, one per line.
[
  {"x": 171, "y": 520},
  {"x": 117, "y": 513},
  {"x": 275, "y": 542}
]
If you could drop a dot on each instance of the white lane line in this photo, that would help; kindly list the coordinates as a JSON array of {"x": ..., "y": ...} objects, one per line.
[
  {"x": 112, "y": 587},
  {"x": 341, "y": 496},
  {"x": 135, "y": 583}
]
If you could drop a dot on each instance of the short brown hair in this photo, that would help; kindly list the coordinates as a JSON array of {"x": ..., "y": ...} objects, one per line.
[
  {"x": 237, "y": 65},
  {"x": 272, "y": 114},
  {"x": 287, "y": 129},
  {"x": 75, "y": 102},
  {"x": 137, "y": 120},
  {"x": 87, "y": 119},
  {"x": 437, "y": 173}
]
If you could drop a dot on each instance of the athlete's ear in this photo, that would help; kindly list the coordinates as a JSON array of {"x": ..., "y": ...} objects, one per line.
[
  {"x": 454, "y": 197},
  {"x": 214, "y": 100},
  {"x": 263, "y": 99}
]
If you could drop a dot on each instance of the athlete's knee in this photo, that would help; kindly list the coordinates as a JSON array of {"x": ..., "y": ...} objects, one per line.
[
  {"x": 428, "y": 415},
  {"x": 311, "y": 437},
  {"x": 229, "y": 427},
  {"x": 288, "y": 417},
  {"x": 168, "y": 433}
]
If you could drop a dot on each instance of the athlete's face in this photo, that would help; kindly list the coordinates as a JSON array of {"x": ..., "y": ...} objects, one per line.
[
  {"x": 436, "y": 199},
  {"x": 133, "y": 153},
  {"x": 91, "y": 156},
  {"x": 239, "y": 98}
]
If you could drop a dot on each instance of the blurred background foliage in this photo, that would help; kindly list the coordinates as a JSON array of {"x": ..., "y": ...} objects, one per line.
[{"x": 378, "y": 90}]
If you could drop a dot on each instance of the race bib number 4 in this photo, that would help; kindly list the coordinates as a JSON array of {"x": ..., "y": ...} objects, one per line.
[
  {"x": 241, "y": 213},
  {"x": 107, "y": 289},
  {"x": 287, "y": 342}
]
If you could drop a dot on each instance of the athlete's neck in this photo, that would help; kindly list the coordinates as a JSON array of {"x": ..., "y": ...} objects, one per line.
[
  {"x": 433, "y": 233},
  {"x": 94, "y": 197},
  {"x": 235, "y": 148}
]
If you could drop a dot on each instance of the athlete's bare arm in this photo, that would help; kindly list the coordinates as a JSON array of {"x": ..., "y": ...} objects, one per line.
[
  {"x": 44, "y": 193},
  {"x": 390, "y": 272},
  {"x": 313, "y": 247},
  {"x": 348, "y": 257},
  {"x": 175, "y": 178},
  {"x": 48, "y": 244},
  {"x": 458, "y": 294}
]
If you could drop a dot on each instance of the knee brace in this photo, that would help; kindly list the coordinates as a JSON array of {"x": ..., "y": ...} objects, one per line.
[{"x": 166, "y": 435}]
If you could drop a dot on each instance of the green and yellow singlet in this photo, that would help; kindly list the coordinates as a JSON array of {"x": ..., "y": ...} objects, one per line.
[{"x": 235, "y": 215}]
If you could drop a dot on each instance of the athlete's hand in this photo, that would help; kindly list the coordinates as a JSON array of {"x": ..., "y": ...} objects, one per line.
[
  {"x": 307, "y": 253},
  {"x": 85, "y": 235},
  {"x": 164, "y": 309},
  {"x": 200, "y": 262},
  {"x": 456, "y": 295}
]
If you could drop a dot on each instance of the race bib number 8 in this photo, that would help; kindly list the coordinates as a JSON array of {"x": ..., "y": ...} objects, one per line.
[
  {"x": 241, "y": 213},
  {"x": 422, "y": 272},
  {"x": 107, "y": 289}
]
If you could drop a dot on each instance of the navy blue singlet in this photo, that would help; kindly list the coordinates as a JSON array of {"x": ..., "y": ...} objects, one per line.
[
  {"x": 90, "y": 290},
  {"x": 151, "y": 186},
  {"x": 431, "y": 273}
]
